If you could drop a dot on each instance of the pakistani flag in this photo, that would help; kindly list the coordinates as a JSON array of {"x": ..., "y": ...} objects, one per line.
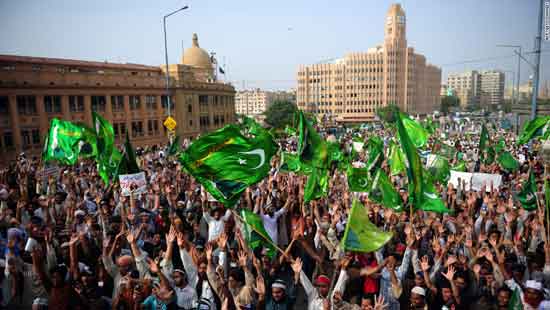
[
  {"x": 438, "y": 167},
  {"x": 483, "y": 139},
  {"x": 500, "y": 146},
  {"x": 360, "y": 234},
  {"x": 507, "y": 161},
  {"x": 312, "y": 149},
  {"x": 108, "y": 156},
  {"x": 417, "y": 133},
  {"x": 358, "y": 179},
  {"x": 460, "y": 166},
  {"x": 396, "y": 159},
  {"x": 251, "y": 126},
  {"x": 67, "y": 141},
  {"x": 515, "y": 302},
  {"x": 422, "y": 193},
  {"x": 334, "y": 153},
  {"x": 533, "y": 128},
  {"x": 375, "y": 148},
  {"x": 528, "y": 194},
  {"x": 490, "y": 154},
  {"x": 174, "y": 148},
  {"x": 128, "y": 163},
  {"x": 383, "y": 192},
  {"x": 255, "y": 234},
  {"x": 291, "y": 163},
  {"x": 446, "y": 150},
  {"x": 316, "y": 185},
  {"x": 226, "y": 162}
]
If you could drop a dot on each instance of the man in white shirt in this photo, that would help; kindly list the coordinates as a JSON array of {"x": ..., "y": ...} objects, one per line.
[
  {"x": 216, "y": 222},
  {"x": 270, "y": 218}
]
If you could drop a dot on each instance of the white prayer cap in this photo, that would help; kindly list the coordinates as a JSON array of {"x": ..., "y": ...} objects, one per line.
[
  {"x": 419, "y": 291},
  {"x": 536, "y": 285}
]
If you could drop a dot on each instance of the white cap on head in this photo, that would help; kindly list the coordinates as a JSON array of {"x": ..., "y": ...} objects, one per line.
[
  {"x": 419, "y": 291},
  {"x": 536, "y": 285}
]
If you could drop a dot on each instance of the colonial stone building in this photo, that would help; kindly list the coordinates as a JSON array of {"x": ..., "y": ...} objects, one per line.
[{"x": 133, "y": 97}]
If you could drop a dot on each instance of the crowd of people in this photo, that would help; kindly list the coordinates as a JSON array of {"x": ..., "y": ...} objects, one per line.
[{"x": 70, "y": 242}]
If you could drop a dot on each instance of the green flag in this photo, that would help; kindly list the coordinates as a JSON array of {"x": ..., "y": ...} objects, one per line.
[
  {"x": 438, "y": 167},
  {"x": 483, "y": 139},
  {"x": 396, "y": 159},
  {"x": 334, "y": 152},
  {"x": 316, "y": 185},
  {"x": 360, "y": 234},
  {"x": 460, "y": 166},
  {"x": 500, "y": 146},
  {"x": 507, "y": 161},
  {"x": 358, "y": 179},
  {"x": 67, "y": 141},
  {"x": 250, "y": 125},
  {"x": 490, "y": 155},
  {"x": 255, "y": 233},
  {"x": 383, "y": 192},
  {"x": 290, "y": 131},
  {"x": 174, "y": 148},
  {"x": 312, "y": 150},
  {"x": 226, "y": 162},
  {"x": 528, "y": 194},
  {"x": 515, "y": 300},
  {"x": 532, "y": 129},
  {"x": 417, "y": 133},
  {"x": 375, "y": 148},
  {"x": 128, "y": 163},
  {"x": 108, "y": 156},
  {"x": 446, "y": 150},
  {"x": 421, "y": 191},
  {"x": 291, "y": 163}
]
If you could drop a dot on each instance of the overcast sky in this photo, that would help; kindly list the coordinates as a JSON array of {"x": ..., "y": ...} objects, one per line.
[{"x": 264, "y": 41}]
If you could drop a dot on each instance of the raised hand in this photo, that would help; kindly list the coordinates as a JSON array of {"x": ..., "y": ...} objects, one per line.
[
  {"x": 379, "y": 303},
  {"x": 242, "y": 258},
  {"x": 297, "y": 265},
  {"x": 222, "y": 241},
  {"x": 208, "y": 250},
  {"x": 450, "y": 260},
  {"x": 153, "y": 266},
  {"x": 260, "y": 286},
  {"x": 171, "y": 236},
  {"x": 181, "y": 240},
  {"x": 130, "y": 237},
  {"x": 425, "y": 263},
  {"x": 449, "y": 275}
]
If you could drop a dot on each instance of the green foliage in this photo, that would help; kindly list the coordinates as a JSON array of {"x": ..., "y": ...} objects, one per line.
[{"x": 280, "y": 113}]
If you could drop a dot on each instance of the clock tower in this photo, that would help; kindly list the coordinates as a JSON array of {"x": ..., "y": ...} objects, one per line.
[{"x": 395, "y": 57}]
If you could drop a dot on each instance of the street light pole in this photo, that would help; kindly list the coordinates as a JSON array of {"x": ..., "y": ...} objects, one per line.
[
  {"x": 537, "y": 63},
  {"x": 166, "y": 58}
]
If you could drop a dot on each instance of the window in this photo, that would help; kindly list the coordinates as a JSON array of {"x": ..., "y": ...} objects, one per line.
[
  {"x": 135, "y": 104},
  {"x": 8, "y": 139},
  {"x": 151, "y": 102},
  {"x": 26, "y": 137},
  {"x": 190, "y": 108},
  {"x": 26, "y": 105},
  {"x": 137, "y": 129},
  {"x": 164, "y": 102},
  {"x": 119, "y": 129},
  {"x": 153, "y": 127},
  {"x": 204, "y": 121},
  {"x": 52, "y": 104},
  {"x": 35, "y": 136},
  {"x": 99, "y": 103},
  {"x": 76, "y": 103},
  {"x": 4, "y": 105},
  {"x": 117, "y": 103},
  {"x": 203, "y": 100}
]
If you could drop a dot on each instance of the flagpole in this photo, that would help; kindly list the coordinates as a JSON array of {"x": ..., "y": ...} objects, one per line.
[{"x": 258, "y": 232}]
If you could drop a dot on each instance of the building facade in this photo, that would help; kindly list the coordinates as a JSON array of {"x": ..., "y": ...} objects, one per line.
[
  {"x": 352, "y": 88},
  {"x": 492, "y": 89},
  {"x": 255, "y": 102},
  {"x": 34, "y": 90},
  {"x": 475, "y": 89},
  {"x": 465, "y": 86}
]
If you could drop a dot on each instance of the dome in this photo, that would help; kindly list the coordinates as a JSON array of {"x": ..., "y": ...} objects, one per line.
[{"x": 196, "y": 56}]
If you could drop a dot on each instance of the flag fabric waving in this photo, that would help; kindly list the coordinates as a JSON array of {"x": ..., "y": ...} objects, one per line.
[
  {"x": 226, "y": 162},
  {"x": 528, "y": 194},
  {"x": 128, "y": 163},
  {"x": 360, "y": 234},
  {"x": 312, "y": 149},
  {"x": 358, "y": 179},
  {"x": 396, "y": 159},
  {"x": 316, "y": 185},
  {"x": 255, "y": 233},
  {"x": 417, "y": 133},
  {"x": 383, "y": 192},
  {"x": 507, "y": 161},
  {"x": 108, "y": 157},
  {"x": 67, "y": 141},
  {"x": 533, "y": 129}
]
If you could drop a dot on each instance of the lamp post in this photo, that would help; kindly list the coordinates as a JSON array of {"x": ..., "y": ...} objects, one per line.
[
  {"x": 517, "y": 51},
  {"x": 166, "y": 58}
]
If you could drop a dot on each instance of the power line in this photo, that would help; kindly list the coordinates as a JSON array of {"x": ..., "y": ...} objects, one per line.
[{"x": 489, "y": 59}]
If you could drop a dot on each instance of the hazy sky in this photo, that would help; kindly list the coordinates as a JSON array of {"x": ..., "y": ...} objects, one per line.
[{"x": 262, "y": 41}]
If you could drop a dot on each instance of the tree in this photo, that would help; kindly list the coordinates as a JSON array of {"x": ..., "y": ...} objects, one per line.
[
  {"x": 447, "y": 102},
  {"x": 280, "y": 113}
]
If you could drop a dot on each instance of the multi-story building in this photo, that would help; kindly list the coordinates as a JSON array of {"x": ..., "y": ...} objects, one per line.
[
  {"x": 465, "y": 86},
  {"x": 491, "y": 88},
  {"x": 133, "y": 97},
  {"x": 352, "y": 88},
  {"x": 255, "y": 102}
]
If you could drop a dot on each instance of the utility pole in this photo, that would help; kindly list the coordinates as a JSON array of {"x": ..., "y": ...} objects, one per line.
[{"x": 536, "y": 74}]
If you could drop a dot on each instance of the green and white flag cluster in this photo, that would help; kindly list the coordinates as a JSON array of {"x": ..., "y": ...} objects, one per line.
[
  {"x": 67, "y": 141},
  {"x": 255, "y": 234}
]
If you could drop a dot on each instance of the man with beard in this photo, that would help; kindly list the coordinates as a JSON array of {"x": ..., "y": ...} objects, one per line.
[
  {"x": 532, "y": 296},
  {"x": 316, "y": 297}
]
